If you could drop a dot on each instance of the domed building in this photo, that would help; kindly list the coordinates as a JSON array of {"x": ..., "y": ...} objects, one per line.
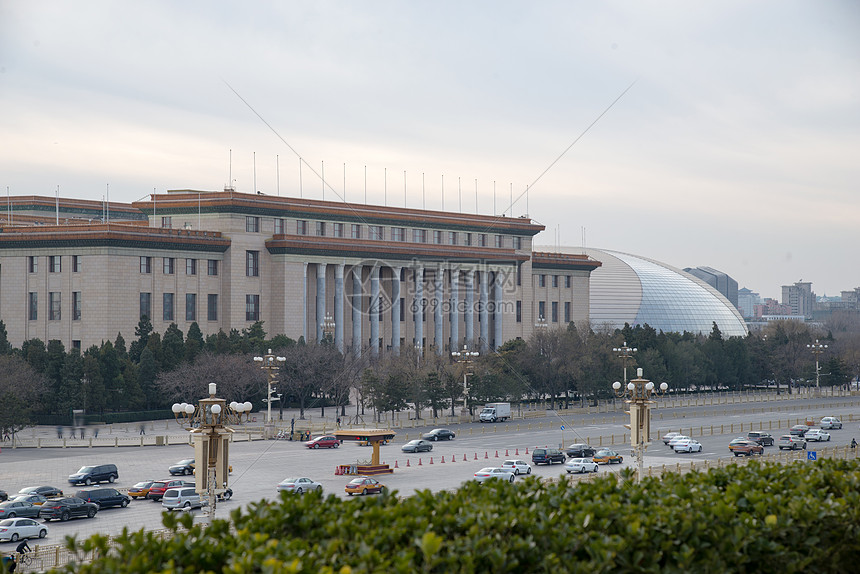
[{"x": 637, "y": 290}]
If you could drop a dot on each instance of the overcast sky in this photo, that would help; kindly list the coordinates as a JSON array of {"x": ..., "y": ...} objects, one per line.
[{"x": 737, "y": 146}]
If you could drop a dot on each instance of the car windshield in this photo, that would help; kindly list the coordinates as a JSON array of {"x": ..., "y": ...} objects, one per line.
[
  {"x": 486, "y": 470},
  {"x": 7, "y": 522},
  {"x": 85, "y": 469},
  {"x": 289, "y": 480},
  {"x": 186, "y": 461},
  {"x": 142, "y": 485},
  {"x": 356, "y": 481},
  {"x": 414, "y": 442}
]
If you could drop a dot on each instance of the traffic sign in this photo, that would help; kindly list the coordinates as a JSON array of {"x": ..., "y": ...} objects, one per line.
[
  {"x": 811, "y": 455},
  {"x": 562, "y": 427}
]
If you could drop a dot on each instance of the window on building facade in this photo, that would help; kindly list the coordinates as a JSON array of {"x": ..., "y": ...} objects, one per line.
[
  {"x": 355, "y": 231},
  {"x": 542, "y": 310},
  {"x": 54, "y": 306},
  {"x": 146, "y": 264},
  {"x": 76, "y": 264},
  {"x": 169, "y": 265},
  {"x": 213, "y": 267},
  {"x": 402, "y": 308},
  {"x": 567, "y": 311},
  {"x": 499, "y": 241},
  {"x": 302, "y": 227},
  {"x": 252, "y": 263},
  {"x": 376, "y": 232},
  {"x": 146, "y": 305},
  {"x": 398, "y": 234},
  {"x": 482, "y": 239},
  {"x": 518, "y": 242},
  {"x": 55, "y": 264},
  {"x": 76, "y": 306},
  {"x": 555, "y": 281},
  {"x": 33, "y": 307},
  {"x": 567, "y": 281},
  {"x": 76, "y": 344},
  {"x": 437, "y": 237},
  {"x": 252, "y": 224},
  {"x": 555, "y": 311},
  {"x": 337, "y": 229},
  {"x": 541, "y": 280},
  {"x": 467, "y": 239},
  {"x": 167, "y": 306},
  {"x": 191, "y": 267},
  {"x": 166, "y": 222},
  {"x": 452, "y": 238},
  {"x": 212, "y": 307},
  {"x": 280, "y": 226},
  {"x": 519, "y": 311},
  {"x": 32, "y": 264},
  {"x": 519, "y": 272},
  {"x": 419, "y": 236},
  {"x": 252, "y": 307},
  {"x": 191, "y": 306},
  {"x": 320, "y": 228}
]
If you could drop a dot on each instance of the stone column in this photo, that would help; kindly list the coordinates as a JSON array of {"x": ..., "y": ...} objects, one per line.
[
  {"x": 374, "y": 311},
  {"x": 454, "y": 316},
  {"x": 320, "y": 300},
  {"x": 338, "y": 307},
  {"x": 484, "y": 310},
  {"x": 356, "y": 311},
  {"x": 437, "y": 310},
  {"x": 395, "y": 311},
  {"x": 419, "y": 307},
  {"x": 305, "y": 301},
  {"x": 497, "y": 309},
  {"x": 469, "y": 311}
]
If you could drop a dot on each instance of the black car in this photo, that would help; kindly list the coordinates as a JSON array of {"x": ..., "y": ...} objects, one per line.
[
  {"x": 65, "y": 508},
  {"x": 13, "y": 508},
  {"x": 185, "y": 466},
  {"x": 439, "y": 434},
  {"x": 547, "y": 456},
  {"x": 579, "y": 450},
  {"x": 104, "y": 497},
  {"x": 4, "y": 495},
  {"x": 95, "y": 474}
]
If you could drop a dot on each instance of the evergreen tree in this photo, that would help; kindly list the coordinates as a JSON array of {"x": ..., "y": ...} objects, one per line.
[
  {"x": 110, "y": 370},
  {"x": 142, "y": 332},
  {"x": 119, "y": 345},
  {"x": 172, "y": 348},
  {"x": 154, "y": 346},
  {"x": 95, "y": 400},
  {"x": 193, "y": 342},
  {"x": 5, "y": 347},
  {"x": 146, "y": 375},
  {"x": 71, "y": 391},
  {"x": 55, "y": 357},
  {"x": 35, "y": 354}
]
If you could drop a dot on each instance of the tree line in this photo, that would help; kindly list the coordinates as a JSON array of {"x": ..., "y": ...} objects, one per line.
[{"x": 575, "y": 364}]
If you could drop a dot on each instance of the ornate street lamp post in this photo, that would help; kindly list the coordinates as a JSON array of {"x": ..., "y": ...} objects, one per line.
[
  {"x": 211, "y": 437},
  {"x": 624, "y": 353},
  {"x": 638, "y": 393},
  {"x": 270, "y": 365},
  {"x": 817, "y": 348},
  {"x": 328, "y": 326},
  {"x": 465, "y": 358}
]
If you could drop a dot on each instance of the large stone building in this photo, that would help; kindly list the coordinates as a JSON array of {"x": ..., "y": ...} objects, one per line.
[{"x": 382, "y": 277}]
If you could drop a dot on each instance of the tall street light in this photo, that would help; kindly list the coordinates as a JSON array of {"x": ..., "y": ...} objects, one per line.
[
  {"x": 638, "y": 393},
  {"x": 211, "y": 437},
  {"x": 624, "y": 353},
  {"x": 270, "y": 365},
  {"x": 328, "y": 326},
  {"x": 817, "y": 348},
  {"x": 465, "y": 358}
]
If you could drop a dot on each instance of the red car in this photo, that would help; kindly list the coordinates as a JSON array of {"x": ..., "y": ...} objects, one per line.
[
  {"x": 323, "y": 442},
  {"x": 156, "y": 491}
]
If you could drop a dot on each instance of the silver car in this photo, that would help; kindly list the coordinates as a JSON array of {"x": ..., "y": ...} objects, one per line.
[
  {"x": 298, "y": 485},
  {"x": 580, "y": 465},
  {"x": 417, "y": 445},
  {"x": 185, "y": 498}
]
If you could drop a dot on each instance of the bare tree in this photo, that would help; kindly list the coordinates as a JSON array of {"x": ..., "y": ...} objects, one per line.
[
  {"x": 237, "y": 376},
  {"x": 21, "y": 387}
]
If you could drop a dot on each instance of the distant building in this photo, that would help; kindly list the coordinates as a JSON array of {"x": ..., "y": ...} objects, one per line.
[
  {"x": 747, "y": 300},
  {"x": 772, "y": 308},
  {"x": 799, "y": 297},
  {"x": 718, "y": 280}
]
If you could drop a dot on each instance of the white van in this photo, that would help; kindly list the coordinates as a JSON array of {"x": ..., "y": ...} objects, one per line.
[{"x": 185, "y": 498}]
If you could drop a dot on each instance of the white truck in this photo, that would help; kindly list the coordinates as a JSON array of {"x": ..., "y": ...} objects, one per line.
[{"x": 493, "y": 412}]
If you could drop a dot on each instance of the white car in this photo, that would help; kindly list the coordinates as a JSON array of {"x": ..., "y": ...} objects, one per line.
[
  {"x": 491, "y": 473},
  {"x": 677, "y": 439},
  {"x": 830, "y": 423},
  {"x": 669, "y": 436},
  {"x": 817, "y": 435},
  {"x": 15, "y": 528},
  {"x": 518, "y": 466},
  {"x": 687, "y": 445},
  {"x": 580, "y": 465},
  {"x": 299, "y": 485}
]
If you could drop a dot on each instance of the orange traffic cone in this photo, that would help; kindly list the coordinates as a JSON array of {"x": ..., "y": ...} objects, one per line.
[
  {"x": 419, "y": 461},
  {"x": 517, "y": 453},
  {"x": 431, "y": 460},
  {"x": 395, "y": 464},
  {"x": 407, "y": 462},
  {"x": 453, "y": 458},
  {"x": 476, "y": 455},
  {"x": 443, "y": 458},
  {"x": 497, "y": 454},
  {"x": 506, "y": 452},
  {"x": 527, "y": 450},
  {"x": 486, "y": 455},
  {"x": 464, "y": 456}
]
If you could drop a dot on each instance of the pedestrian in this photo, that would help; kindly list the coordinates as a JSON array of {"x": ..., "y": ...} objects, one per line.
[
  {"x": 292, "y": 427},
  {"x": 59, "y": 432},
  {"x": 338, "y": 422},
  {"x": 82, "y": 432},
  {"x": 143, "y": 429},
  {"x": 853, "y": 443},
  {"x": 96, "y": 432}
]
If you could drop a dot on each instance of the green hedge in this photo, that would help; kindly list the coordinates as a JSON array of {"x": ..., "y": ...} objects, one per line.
[{"x": 802, "y": 517}]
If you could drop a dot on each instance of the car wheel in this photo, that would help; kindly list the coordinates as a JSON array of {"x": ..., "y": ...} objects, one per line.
[
  {"x": 529, "y": 471},
  {"x": 91, "y": 512},
  {"x": 43, "y": 533},
  {"x": 186, "y": 505},
  {"x": 88, "y": 481},
  {"x": 337, "y": 444},
  {"x": 511, "y": 479},
  {"x": 11, "y": 515},
  {"x": 435, "y": 438},
  {"x": 124, "y": 503},
  {"x": 569, "y": 472},
  {"x": 299, "y": 490},
  {"x": 14, "y": 537},
  {"x": 228, "y": 495},
  {"x": 828, "y": 439},
  {"x": 64, "y": 517},
  {"x": 595, "y": 468},
  {"x": 111, "y": 478}
]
